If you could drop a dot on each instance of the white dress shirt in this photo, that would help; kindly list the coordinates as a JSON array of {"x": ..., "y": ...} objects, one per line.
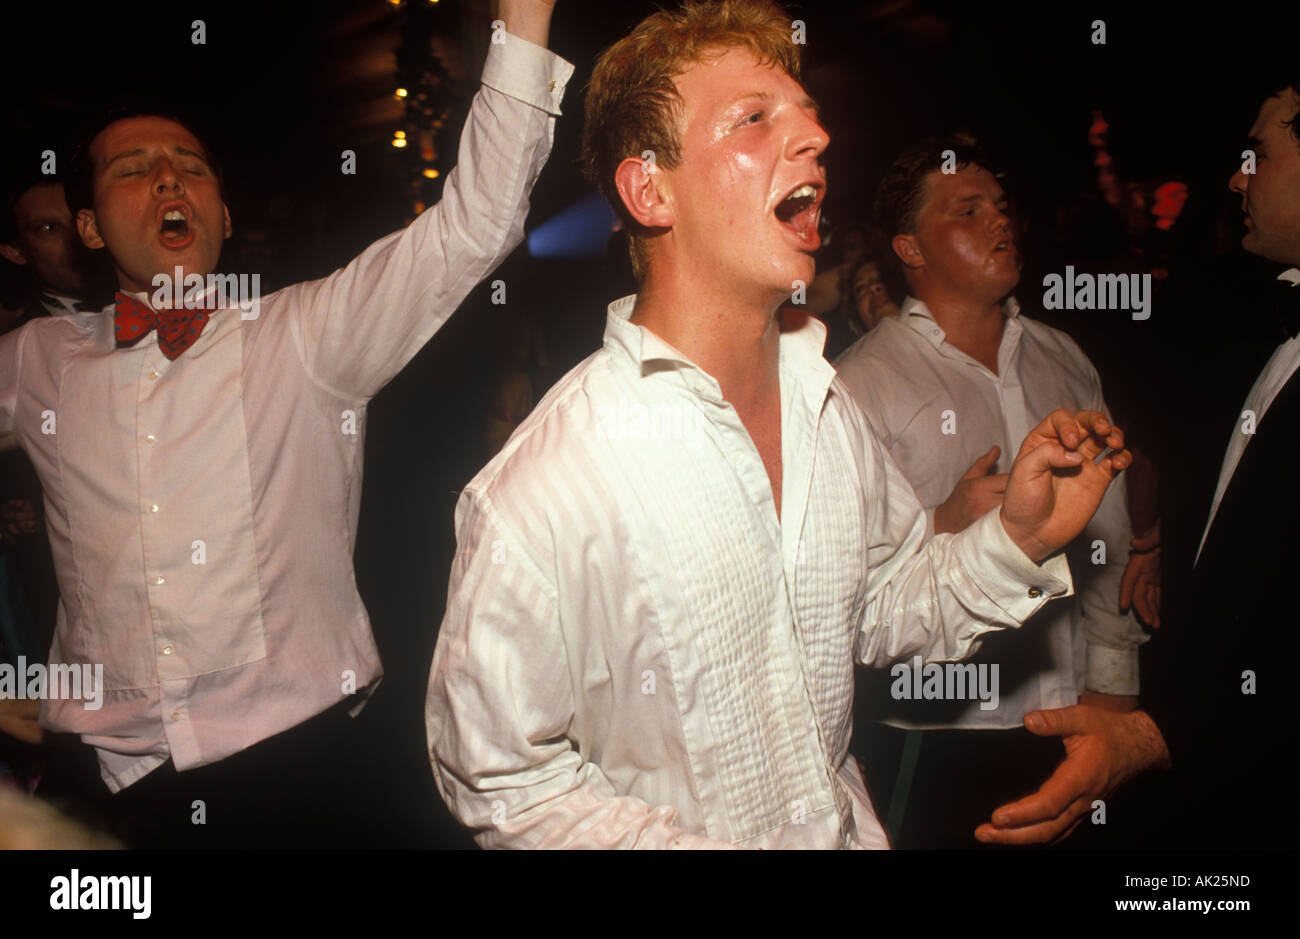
[
  {"x": 913, "y": 386},
  {"x": 202, "y": 512},
  {"x": 637, "y": 652},
  {"x": 1277, "y": 372}
]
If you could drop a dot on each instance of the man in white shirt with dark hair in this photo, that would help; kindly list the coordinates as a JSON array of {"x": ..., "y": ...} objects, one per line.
[
  {"x": 203, "y": 483},
  {"x": 951, "y": 386}
]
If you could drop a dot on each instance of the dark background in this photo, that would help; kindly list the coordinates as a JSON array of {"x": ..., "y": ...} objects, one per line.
[{"x": 280, "y": 89}]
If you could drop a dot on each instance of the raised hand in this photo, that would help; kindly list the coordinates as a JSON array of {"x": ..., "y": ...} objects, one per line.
[
  {"x": 1054, "y": 486},
  {"x": 975, "y": 494}
]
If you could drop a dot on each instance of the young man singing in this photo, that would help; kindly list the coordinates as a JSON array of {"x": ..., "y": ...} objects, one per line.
[
  {"x": 203, "y": 469},
  {"x": 664, "y": 580}
]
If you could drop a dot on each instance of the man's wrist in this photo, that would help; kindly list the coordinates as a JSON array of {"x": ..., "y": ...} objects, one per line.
[
  {"x": 528, "y": 19},
  {"x": 1033, "y": 549},
  {"x": 1120, "y": 703},
  {"x": 1150, "y": 741},
  {"x": 941, "y": 525}
]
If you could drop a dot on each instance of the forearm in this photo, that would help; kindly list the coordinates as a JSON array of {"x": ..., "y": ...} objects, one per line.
[
  {"x": 1113, "y": 638},
  {"x": 405, "y": 286},
  {"x": 954, "y": 590},
  {"x": 563, "y": 804},
  {"x": 528, "y": 19}
]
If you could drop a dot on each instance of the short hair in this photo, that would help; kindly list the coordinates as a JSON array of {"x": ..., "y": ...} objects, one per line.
[
  {"x": 15, "y": 188},
  {"x": 902, "y": 190},
  {"x": 633, "y": 105},
  {"x": 1294, "y": 123},
  {"x": 80, "y": 184}
]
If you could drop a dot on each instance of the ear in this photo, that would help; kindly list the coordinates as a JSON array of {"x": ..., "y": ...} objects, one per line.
[
  {"x": 12, "y": 254},
  {"x": 88, "y": 229},
  {"x": 638, "y": 183},
  {"x": 908, "y": 251},
  {"x": 226, "y": 212}
]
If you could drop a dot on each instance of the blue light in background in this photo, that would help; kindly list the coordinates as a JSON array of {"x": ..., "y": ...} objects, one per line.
[{"x": 579, "y": 232}]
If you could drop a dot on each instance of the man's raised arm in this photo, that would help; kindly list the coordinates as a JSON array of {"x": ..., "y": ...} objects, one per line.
[{"x": 357, "y": 328}]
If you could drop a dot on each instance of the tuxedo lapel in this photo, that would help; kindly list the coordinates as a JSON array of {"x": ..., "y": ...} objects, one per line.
[{"x": 1253, "y": 538}]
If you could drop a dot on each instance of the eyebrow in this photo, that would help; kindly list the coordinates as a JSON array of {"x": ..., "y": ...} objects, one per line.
[
  {"x": 140, "y": 151},
  {"x": 806, "y": 101},
  {"x": 977, "y": 196}
]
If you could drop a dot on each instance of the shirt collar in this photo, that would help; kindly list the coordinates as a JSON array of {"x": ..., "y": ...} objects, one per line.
[
  {"x": 800, "y": 349},
  {"x": 59, "y": 305},
  {"x": 917, "y": 315},
  {"x": 206, "y": 299},
  {"x": 1292, "y": 275}
]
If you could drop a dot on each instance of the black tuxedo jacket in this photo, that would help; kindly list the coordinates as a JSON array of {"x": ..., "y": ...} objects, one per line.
[{"x": 1221, "y": 670}]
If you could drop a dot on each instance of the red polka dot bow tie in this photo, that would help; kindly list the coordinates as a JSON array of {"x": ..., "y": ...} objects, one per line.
[{"x": 177, "y": 329}]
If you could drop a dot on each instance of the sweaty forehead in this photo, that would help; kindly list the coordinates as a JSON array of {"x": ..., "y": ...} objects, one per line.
[
  {"x": 969, "y": 182},
  {"x": 721, "y": 77},
  {"x": 142, "y": 133}
]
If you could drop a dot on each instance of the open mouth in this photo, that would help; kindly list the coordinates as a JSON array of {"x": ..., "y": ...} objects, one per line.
[
  {"x": 174, "y": 226},
  {"x": 799, "y": 212}
]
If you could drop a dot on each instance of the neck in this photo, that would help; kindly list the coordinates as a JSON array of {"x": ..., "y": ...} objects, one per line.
[
  {"x": 966, "y": 321},
  {"x": 733, "y": 338}
]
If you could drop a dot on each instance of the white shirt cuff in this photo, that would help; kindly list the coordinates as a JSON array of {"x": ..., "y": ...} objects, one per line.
[
  {"x": 1006, "y": 574},
  {"x": 1112, "y": 671},
  {"x": 527, "y": 72}
]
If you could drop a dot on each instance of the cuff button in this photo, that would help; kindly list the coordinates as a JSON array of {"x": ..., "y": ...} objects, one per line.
[{"x": 1035, "y": 593}]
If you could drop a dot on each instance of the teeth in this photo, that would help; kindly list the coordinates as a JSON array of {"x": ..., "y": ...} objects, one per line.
[
  {"x": 175, "y": 215},
  {"x": 804, "y": 191}
]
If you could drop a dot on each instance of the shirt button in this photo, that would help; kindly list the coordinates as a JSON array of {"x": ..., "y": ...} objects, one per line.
[
  {"x": 153, "y": 374},
  {"x": 1035, "y": 593},
  {"x": 150, "y": 438},
  {"x": 153, "y": 507},
  {"x": 176, "y": 715},
  {"x": 159, "y": 581},
  {"x": 168, "y": 650}
]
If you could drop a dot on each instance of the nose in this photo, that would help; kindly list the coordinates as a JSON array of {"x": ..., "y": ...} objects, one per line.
[
  {"x": 1239, "y": 180},
  {"x": 809, "y": 137},
  {"x": 166, "y": 179},
  {"x": 1002, "y": 220}
]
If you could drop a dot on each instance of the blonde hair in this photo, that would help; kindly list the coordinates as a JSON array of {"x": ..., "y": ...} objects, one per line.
[{"x": 633, "y": 105}]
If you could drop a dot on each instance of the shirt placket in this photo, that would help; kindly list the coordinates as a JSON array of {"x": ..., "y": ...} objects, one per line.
[
  {"x": 802, "y": 470},
  {"x": 736, "y": 442},
  {"x": 170, "y": 655},
  {"x": 1018, "y": 422}
]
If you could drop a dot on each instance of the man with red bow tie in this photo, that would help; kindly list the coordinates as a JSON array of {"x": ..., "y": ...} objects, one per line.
[{"x": 203, "y": 466}]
